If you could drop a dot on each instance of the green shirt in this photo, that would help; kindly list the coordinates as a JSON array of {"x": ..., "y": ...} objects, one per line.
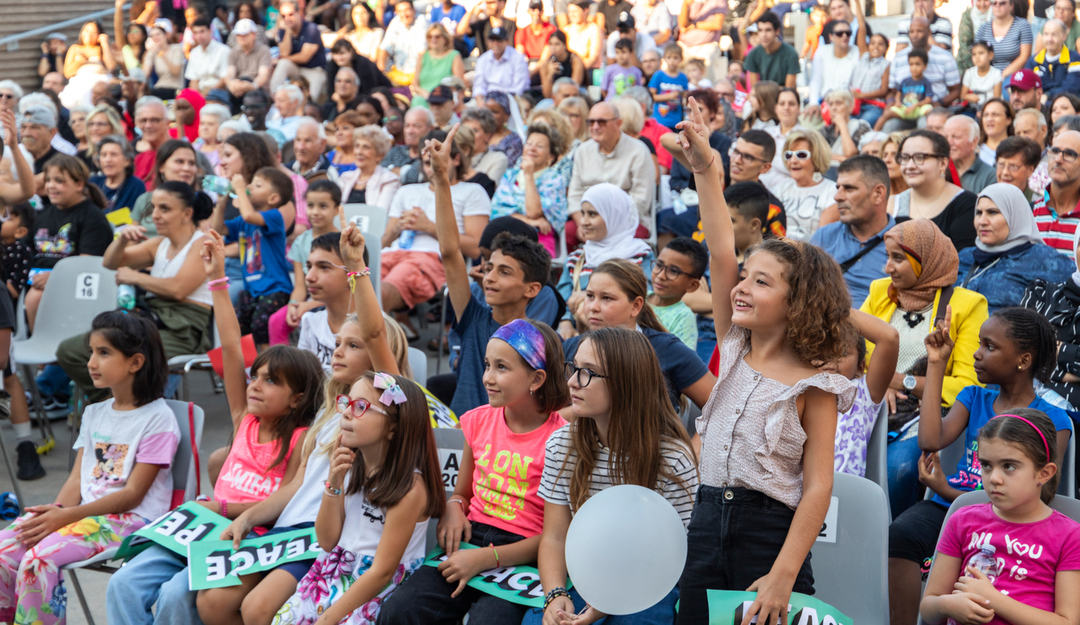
[
  {"x": 776, "y": 66},
  {"x": 680, "y": 321}
]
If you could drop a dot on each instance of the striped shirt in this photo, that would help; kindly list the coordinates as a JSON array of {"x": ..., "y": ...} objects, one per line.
[
  {"x": 555, "y": 483},
  {"x": 940, "y": 30},
  {"x": 1006, "y": 49},
  {"x": 1057, "y": 230},
  {"x": 941, "y": 71}
]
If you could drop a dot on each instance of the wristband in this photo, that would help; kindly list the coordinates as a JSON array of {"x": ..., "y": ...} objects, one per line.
[
  {"x": 555, "y": 593},
  {"x": 457, "y": 501},
  {"x": 221, "y": 284},
  {"x": 224, "y": 508},
  {"x": 492, "y": 545},
  {"x": 330, "y": 490},
  {"x": 353, "y": 275},
  {"x": 706, "y": 168}
]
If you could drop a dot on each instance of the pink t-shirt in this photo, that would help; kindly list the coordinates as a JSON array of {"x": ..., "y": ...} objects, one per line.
[
  {"x": 246, "y": 475},
  {"x": 1029, "y": 555},
  {"x": 508, "y": 468}
]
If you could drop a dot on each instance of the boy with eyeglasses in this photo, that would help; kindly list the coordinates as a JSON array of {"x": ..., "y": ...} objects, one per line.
[{"x": 678, "y": 271}]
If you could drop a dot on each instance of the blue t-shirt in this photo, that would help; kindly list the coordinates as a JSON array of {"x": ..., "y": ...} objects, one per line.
[
  {"x": 980, "y": 404},
  {"x": 680, "y": 364},
  {"x": 668, "y": 113},
  {"x": 450, "y": 20},
  {"x": 544, "y": 307},
  {"x": 475, "y": 328},
  {"x": 618, "y": 79},
  {"x": 309, "y": 33},
  {"x": 130, "y": 190},
  {"x": 913, "y": 91},
  {"x": 262, "y": 253}
]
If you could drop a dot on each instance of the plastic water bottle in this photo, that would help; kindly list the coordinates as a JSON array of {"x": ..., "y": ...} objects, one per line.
[
  {"x": 985, "y": 562},
  {"x": 125, "y": 296},
  {"x": 216, "y": 184},
  {"x": 406, "y": 239}
]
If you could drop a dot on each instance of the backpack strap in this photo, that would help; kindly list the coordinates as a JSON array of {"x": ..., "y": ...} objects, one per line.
[{"x": 943, "y": 304}]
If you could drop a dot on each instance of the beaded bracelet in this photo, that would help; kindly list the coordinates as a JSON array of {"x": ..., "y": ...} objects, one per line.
[
  {"x": 330, "y": 490},
  {"x": 353, "y": 275},
  {"x": 221, "y": 284},
  {"x": 555, "y": 593},
  {"x": 492, "y": 545},
  {"x": 224, "y": 509}
]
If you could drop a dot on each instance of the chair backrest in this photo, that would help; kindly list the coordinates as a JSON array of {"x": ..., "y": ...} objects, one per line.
[
  {"x": 951, "y": 457},
  {"x": 451, "y": 442},
  {"x": 184, "y": 472},
  {"x": 877, "y": 453},
  {"x": 372, "y": 222},
  {"x": 79, "y": 288},
  {"x": 1067, "y": 485},
  {"x": 418, "y": 364},
  {"x": 850, "y": 556}
]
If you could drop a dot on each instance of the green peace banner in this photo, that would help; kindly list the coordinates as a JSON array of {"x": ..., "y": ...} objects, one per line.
[
  {"x": 176, "y": 530},
  {"x": 727, "y": 607},
  {"x": 516, "y": 584},
  {"x": 214, "y": 563}
]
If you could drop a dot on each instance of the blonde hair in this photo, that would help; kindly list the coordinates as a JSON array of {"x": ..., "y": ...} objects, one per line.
[
  {"x": 633, "y": 120},
  {"x": 440, "y": 30},
  {"x": 582, "y": 109},
  {"x": 114, "y": 121},
  {"x": 399, "y": 345},
  {"x": 374, "y": 135},
  {"x": 820, "y": 152},
  {"x": 465, "y": 140}
]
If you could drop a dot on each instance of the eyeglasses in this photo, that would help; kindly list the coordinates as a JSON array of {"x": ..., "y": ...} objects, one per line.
[
  {"x": 149, "y": 120},
  {"x": 252, "y": 107},
  {"x": 391, "y": 118},
  {"x": 802, "y": 155},
  {"x": 582, "y": 380},
  {"x": 733, "y": 153},
  {"x": 918, "y": 157},
  {"x": 356, "y": 407},
  {"x": 599, "y": 122},
  {"x": 1013, "y": 168},
  {"x": 999, "y": 4},
  {"x": 1069, "y": 156},
  {"x": 672, "y": 271},
  {"x": 98, "y": 124},
  {"x": 841, "y": 33}
]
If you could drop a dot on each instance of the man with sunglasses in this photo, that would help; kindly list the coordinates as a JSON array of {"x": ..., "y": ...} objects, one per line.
[{"x": 1057, "y": 212}]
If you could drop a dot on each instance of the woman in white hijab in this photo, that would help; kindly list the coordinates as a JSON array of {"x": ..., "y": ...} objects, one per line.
[
  {"x": 1008, "y": 253},
  {"x": 609, "y": 220}
]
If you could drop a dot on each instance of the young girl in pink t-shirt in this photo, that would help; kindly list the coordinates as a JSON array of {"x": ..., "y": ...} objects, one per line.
[
  {"x": 498, "y": 509},
  {"x": 1035, "y": 550}
]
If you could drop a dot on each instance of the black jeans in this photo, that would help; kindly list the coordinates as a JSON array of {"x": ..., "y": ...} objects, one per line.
[
  {"x": 424, "y": 598},
  {"x": 735, "y": 535}
]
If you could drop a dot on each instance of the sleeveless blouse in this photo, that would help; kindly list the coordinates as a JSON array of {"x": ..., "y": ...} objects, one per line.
[
  {"x": 751, "y": 435},
  {"x": 165, "y": 267}
]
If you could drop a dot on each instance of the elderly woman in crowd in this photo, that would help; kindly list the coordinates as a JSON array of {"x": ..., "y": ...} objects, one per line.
[
  {"x": 210, "y": 119},
  {"x": 807, "y": 192},
  {"x": 343, "y": 156},
  {"x": 845, "y": 131},
  {"x": 370, "y": 182},
  {"x": 484, "y": 126},
  {"x": 554, "y": 118},
  {"x": 534, "y": 191},
  {"x": 116, "y": 162},
  {"x": 1059, "y": 302},
  {"x": 872, "y": 142},
  {"x": 1009, "y": 252},
  {"x": 504, "y": 139},
  {"x": 924, "y": 159},
  {"x": 996, "y": 122}
]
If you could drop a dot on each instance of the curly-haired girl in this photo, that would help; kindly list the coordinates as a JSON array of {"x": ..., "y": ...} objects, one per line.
[{"x": 766, "y": 435}]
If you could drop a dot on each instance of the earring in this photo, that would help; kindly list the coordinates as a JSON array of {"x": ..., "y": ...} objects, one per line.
[{"x": 1019, "y": 367}]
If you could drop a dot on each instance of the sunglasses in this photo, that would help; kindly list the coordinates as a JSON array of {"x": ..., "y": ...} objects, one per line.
[
  {"x": 356, "y": 407},
  {"x": 599, "y": 122},
  {"x": 841, "y": 33},
  {"x": 802, "y": 155}
]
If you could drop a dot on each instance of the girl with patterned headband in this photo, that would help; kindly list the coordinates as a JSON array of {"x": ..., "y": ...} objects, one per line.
[{"x": 495, "y": 505}]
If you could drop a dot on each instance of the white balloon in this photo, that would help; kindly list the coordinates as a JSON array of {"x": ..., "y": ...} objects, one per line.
[{"x": 625, "y": 549}]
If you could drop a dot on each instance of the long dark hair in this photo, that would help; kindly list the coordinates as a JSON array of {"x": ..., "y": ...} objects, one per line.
[
  {"x": 78, "y": 171},
  {"x": 135, "y": 334},
  {"x": 1042, "y": 450},
  {"x": 301, "y": 371},
  {"x": 411, "y": 448},
  {"x": 140, "y": 50},
  {"x": 166, "y": 151},
  {"x": 255, "y": 153}
]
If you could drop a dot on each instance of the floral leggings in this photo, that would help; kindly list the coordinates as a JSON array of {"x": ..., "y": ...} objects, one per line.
[
  {"x": 31, "y": 582},
  {"x": 254, "y": 314}
]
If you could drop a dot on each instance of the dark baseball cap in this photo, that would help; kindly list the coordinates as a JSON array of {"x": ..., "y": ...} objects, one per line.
[
  {"x": 440, "y": 94},
  {"x": 498, "y": 33},
  {"x": 626, "y": 21},
  {"x": 536, "y": 4}
]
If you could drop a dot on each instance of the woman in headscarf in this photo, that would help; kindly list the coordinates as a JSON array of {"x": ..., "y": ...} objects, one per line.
[
  {"x": 186, "y": 108},
  {"x": 921, "y": 265},
  {"x": 609, "y": 220},
  {"x": 1059, "y": 302},
  {"x": 1009, "y": 252},
  {"x": 506, "y": 139}
]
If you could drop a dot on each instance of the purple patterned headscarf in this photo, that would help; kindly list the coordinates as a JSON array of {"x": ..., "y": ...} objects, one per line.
[{"x": 526, "y": 340}]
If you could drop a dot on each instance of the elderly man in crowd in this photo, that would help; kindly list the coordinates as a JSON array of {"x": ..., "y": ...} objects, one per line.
[
  {"x": 963, "y": 135},
  {"x": 1017, "y": 158},
  {"x": 1031, "y": 124},
  {"x": 346, "y": 94},
  {"x": 208, "y": 65},
  {"x": 1057, "y": 212},
  {"x": 610, "y": 155},
  {"x": 941, "y": 72},
  {"x": 1025, "y": 90},
  {"x": 301, "y": 51},
  {"x": 152, "y": 119},
  {"x": 289, "y": 101},
  {"x": 936, "y": 118},
  {"x": 650, "y": 64},
  {"x": 37, "y": 131},
  {"x": 501, "y": 68},
  {"x": 857, "y": 240},
  {"x": 441, "y": 103},
  {"x": 250, "y": 63},
  {"x": 563, "y": 88},
  {"x": 1057, "y": 66},
  {"x": 308, "y": 147},
  {"x": 404, "y": 160}
]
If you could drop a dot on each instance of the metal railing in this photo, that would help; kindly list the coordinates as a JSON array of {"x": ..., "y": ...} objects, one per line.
[{"x": 12, "y": 41}]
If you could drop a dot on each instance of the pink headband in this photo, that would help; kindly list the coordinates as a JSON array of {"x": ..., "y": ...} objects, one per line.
[{"x": 1041, "y": 435}]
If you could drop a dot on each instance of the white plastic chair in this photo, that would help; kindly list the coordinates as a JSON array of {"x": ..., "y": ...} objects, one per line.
[
  {"x": 184, "y": 473},
  {"x": 372, "y": 222},
  {"x": 851, "y": 573},
  {"x": 418, "y": 364},
  {"x": 877, "y": 454}
]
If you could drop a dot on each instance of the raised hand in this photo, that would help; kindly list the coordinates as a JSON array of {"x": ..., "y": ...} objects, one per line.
[
  {"x": 352, "y": 242},
  {"x": 213, "y": 255},
  {"x": 439, "y": 151},
  {"x": 11, "y": 131},
  {"x": 694, "y": 137}
]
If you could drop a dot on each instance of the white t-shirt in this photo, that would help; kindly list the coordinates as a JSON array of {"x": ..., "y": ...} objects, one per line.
[
  {"x": 469, "y": 199},
  {"x": 304, "y": 505},
  {"x": 113, "y": 441},
  {"x": 803, "y": 205},
  {"x": 316, "y": 337},
  {"x": 982, "y": 85}
]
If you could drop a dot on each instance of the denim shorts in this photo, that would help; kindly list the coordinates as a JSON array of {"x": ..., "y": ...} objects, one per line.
[{"x": 735, "y": 535}]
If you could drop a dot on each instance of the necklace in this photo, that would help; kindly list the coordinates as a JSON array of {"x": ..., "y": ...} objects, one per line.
[{"x": 913, "y": 319}]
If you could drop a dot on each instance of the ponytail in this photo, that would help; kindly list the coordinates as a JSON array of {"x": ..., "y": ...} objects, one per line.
[{"x": 631, "y": 280}]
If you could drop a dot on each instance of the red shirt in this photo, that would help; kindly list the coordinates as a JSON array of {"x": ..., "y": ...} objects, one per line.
[
  {"x": 534, "y": 44},
  {"x": 144, "y": 168},
  {"x": 653, "y": 130}
]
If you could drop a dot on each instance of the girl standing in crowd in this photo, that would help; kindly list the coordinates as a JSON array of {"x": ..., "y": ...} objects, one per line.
[
  {"x": 1020, "y": 473},
  {"x": 526, "y": 385},
  {"x": 120, "y": 482},
  {"x": 772, "y": 414},
  {"x": 1017, "y": 346},
  {"x": 1009, "y": 252},
  {"x": 270, "y": 417},
  {"x": 924, "y": 162},
  {"x": 609, "y": 220},
  {"x": 623, "y": 432}
]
